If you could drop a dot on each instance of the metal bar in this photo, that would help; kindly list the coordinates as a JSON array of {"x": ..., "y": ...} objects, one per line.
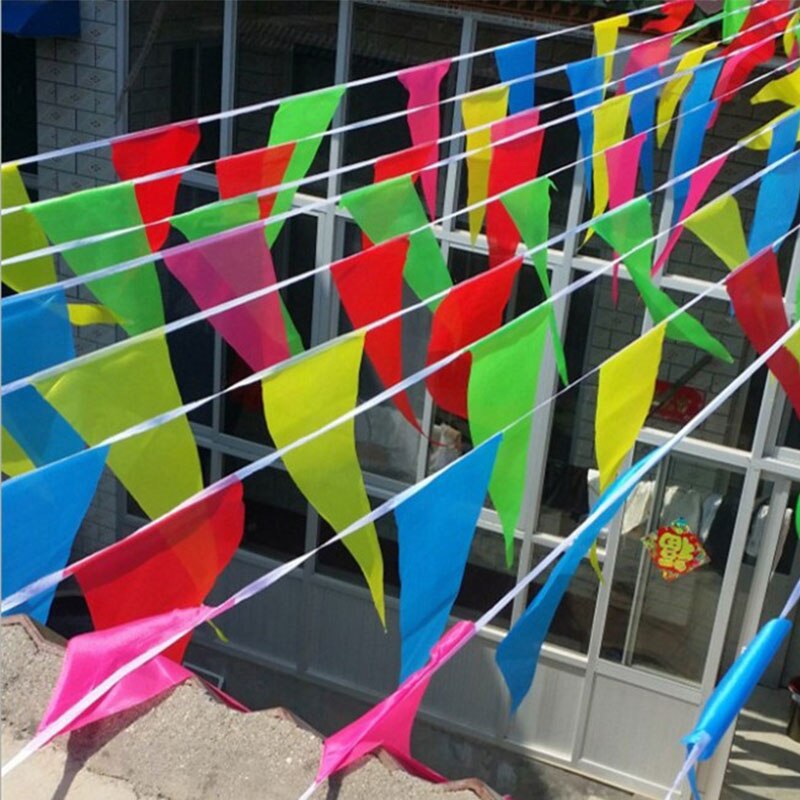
[{"x": 227, "y": 99}]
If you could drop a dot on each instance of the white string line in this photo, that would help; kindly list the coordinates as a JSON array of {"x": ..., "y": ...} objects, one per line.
[
  {"x": 269, "y": 191},
  {"x": 352, "y": 84},
  {"x": 376, "y": 120},
  {"x": 614, "y": 494},
  {"x": 265, "y": 291}
]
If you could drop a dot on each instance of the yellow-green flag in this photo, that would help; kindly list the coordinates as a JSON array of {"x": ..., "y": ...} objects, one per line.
[
  {"x": 301, "y": 399},
  {"x": 480, "y": 108},
  {"x": 606, "y": 32},
  {"x": 610, "y": 119},
  {"x": 719, "y": 226},
  {"x": 624, "y": 396},
  {"x": 784, "y": 90},
  {"x": 112, "y": 392},
  {"x": 14, "y": 461}
]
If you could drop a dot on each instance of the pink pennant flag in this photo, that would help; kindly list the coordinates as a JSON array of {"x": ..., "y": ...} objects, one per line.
[
  {"x": 422, "y": 84},
  {"x": 622, "y": 162},
  {"x": 698, "y": 186},
  {"x": 388, "y": 725},
  {"x": 649, "y": 53},
  {"x": 229, "y": 266}
]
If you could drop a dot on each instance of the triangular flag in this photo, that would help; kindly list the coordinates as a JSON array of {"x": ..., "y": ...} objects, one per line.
[
  {"x": 643, "y": 111},
  {"x": 718, "y": 225},
  {"x": 610, "y": 120},
  {"x": 134, "y": 296},
  {"x": 480, "y": 109},
  {"x": 14, "y": 460},
  {"x": 422, "y": 84},
  {"x": 606, "y": 32},
  {"x": 298, "y": 401},
  {"x": 470, "y": 311},
  {"x": 21, "y": 233},
  {"x": 583, "y": 76},
  {"x": 735, "y": 12},
  {"x": 625, "y": 393},
  {"x": 370, "y": 286},
  {"x": 297, "y": 118},
  {"x": 392, "y": 208},
  {"x": 755, "y": 290},
  {"x": 675, "y": 12},
  {"x": 784, "y": 90},
  {"x": 518, "y": 60},
  {"x": 114, "y": 391},
  {"x": 148, "y": 152},
  {"x": 435, "y": 527},
  {"x": 42, "y": 512},
  {"x": 405, "y": 162},
  {"x": 511, "y": 357},
  {"x": 762, "y": 138}
]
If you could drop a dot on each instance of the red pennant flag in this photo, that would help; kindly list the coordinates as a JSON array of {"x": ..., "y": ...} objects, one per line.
[
  {"x": 471, "y": 310},
  {"x": 171, "y": 563},
  {"x": 675, "y": 14},
  {"x": 513, "y": 163},
  {"x": 370, "y": 286},
  {"x": 410, "y": 160},
  {"x": 254, "y": 171},
  {"x": 755, "y": 290},
  {"x": 155, "y": 151}
]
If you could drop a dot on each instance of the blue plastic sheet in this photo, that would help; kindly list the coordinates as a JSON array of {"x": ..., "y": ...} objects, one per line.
[
  {"x": 585, "y": 75},
  {"x": 515, "y": 61},
  {"x": 434, "y": 533},
  {"x": 643, "y": 116}
]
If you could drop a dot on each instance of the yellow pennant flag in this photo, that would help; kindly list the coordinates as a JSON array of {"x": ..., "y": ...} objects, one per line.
[
  {"x": 674, "y": 89},
  {"x": 480, "y": 108},
  {"x": 14, "y": 460},
  {"x": 606, "y": 32},
  {"x": 784, "y": 90},
  {"x": 624, "y": 396},
  {"x": 719, "y": 226},
  {"x": 761, "y": 139},
  {"x": 112, "y": 392},
  {"x": 21, "y": 233},
  {"x": 301, "y": 399},
  {"x": 81, "y": 314},
  {"x": 610, "y": 119}
]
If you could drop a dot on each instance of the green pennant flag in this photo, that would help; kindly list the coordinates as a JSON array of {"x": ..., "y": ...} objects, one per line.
[
  {"x": 133, "y": 296},
  {"x": 391, "y": 208},
  {"x": 529, "y": 208},
  {"x": 511, "y": 357},
  {"x": 629, "y": 226},
  {"x": 295, "y": 119}
]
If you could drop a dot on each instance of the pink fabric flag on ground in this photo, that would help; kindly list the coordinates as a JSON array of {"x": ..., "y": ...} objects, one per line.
[
  {"x": 422, "y": 84},
  {"x": 388, "y": 725},
  {"x": 698, "y": 186},
  {"x": 514, "y": 162},
  {"x": 229, "y": 266},
  {"x": 622, "y": 162},
  {"x": 155, "y": 151}
]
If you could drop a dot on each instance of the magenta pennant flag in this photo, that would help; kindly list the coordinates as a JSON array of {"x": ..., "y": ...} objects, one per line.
[
  {"x": 622, "y": 162},
  {"x": 422, "y": 84},
  {"x": 233, "y": 264},
  {"x": 698, "y": 186},
  {"x": 650, "y": 53},
  {"x": 388, "y": 725}
]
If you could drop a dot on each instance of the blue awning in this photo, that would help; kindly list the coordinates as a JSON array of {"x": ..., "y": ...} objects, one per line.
[{"x": 38, "y": 18}]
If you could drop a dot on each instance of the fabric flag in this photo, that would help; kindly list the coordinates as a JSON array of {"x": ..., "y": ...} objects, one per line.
[
  {"x": 610, "y": 119},
  {"x": 14, "y": 462},
  {"x": 41, "y": 513},
  {"x": 606, "y": 32},
  {"x": 422, "y": 84},
  {"x": 297, "y": 118},
  {"x": 21, "y": 233},
  {"x": 83, "y": 314},
  {"x": 229, "y": 266},
  {"x": 511, "y": 357},
  {"x": 698, "y": 186},
  {"x": 718, "y": 225},
  {"x": 134, "y": 296},
  {"x": 585, "y": 76},
  {"x": 645, "y": 55},
  {"x": 779, "y": 190},
  {"x": 643, "y": 113},
  {"x": 675, "y": 12},
  {"x": 370, "y": 286},
  {"x": 471, "y": 310},
  {"x": 755, "y": 290},
  {"x": 435, "y": 527},
  {"x": 529, "y": 207},
  {"x": 697, "y": 114},
  {"x": 790, "y": 36},
  {"x": 480, "y": 109},
  {"x": 405, "y": 162},
  {"x": 735, "y": 12},
  {"x": 784, "y": 90},
  {"x": 629, "y": 227},
  {"x": 673, "y": 90},
  {"x": 388, "y": 725},
  {"x": 625, "y": 393},
  {"x": 170, "y": 563},
  {"x": 254, "y": 171},
  {"x": 301, "y": 399},
  {"x": 512, "y": 163},
  {"x": 762, "y": 138},
  {"x": 392, "y": 208},
  {"x": 518, "y": 60},
  {"x": 114, "y": 391},
  {"x": 154, "y": 151}
]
